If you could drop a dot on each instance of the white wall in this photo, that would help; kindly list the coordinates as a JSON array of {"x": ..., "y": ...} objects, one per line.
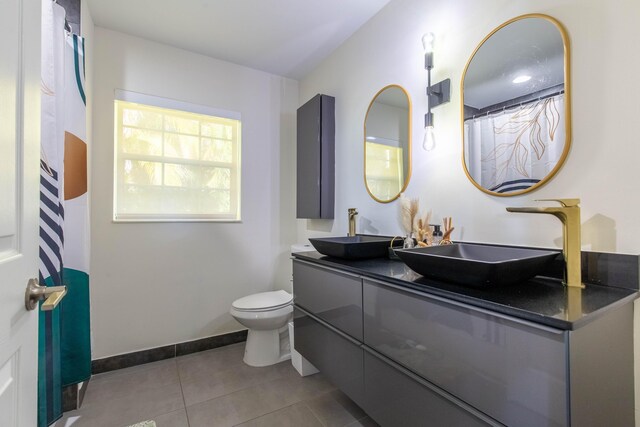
[
  {"x": 602, "y": 166},
  {"x": 157, "y": 284}
]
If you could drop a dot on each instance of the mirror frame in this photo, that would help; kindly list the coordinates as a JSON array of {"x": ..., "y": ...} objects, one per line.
[
  {"x": 409, "y": 143},
  {"x": 567, "y": 104}
]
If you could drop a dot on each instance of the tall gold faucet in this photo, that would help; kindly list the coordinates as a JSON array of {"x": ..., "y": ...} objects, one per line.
[
  {"x": 569, "y": 214},
  {"x": 352, "y": 221}
]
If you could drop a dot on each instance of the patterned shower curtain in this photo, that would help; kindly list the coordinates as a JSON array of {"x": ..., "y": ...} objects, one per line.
[
  {"x": 514, "y": 149},
  {"x": 64, "y": 334}
]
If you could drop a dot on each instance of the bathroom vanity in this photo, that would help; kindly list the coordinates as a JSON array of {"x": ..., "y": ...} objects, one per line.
[{"x": 414, "y": 352}]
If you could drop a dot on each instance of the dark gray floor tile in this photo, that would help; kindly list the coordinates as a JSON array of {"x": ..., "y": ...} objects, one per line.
[
  {"x": 172, "y": 419},
  {"x": 117, "y": 411},
  {"x": 199, "y": 364},
  {"x": 212, "y": 383},
  {"x": 298, "y": 415},
  {"x": 253, "y": 402},
  {"x": 364, "y": 422},
  {"x": 131, "y": 381},
  {"x": 335, "y": 409}
]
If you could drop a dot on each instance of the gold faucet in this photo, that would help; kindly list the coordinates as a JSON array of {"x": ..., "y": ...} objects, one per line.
[
  {"x": 569, "y": 214},
  {"x": 352, "y": 221}
]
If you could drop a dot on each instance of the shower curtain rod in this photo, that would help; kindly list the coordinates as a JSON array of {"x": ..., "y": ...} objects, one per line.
[{"x": 497, "y": 110}]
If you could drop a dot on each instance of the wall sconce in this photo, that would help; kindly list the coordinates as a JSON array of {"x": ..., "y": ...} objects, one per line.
[{"x": 437, "y": 94}]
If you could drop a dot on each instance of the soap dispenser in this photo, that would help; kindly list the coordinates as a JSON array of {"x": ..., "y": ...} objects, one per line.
[{"x": 437, "y": 235}]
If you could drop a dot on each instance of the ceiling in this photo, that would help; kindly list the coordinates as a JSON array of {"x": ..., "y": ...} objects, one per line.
[
  {"x": 531, "y": 46},
  {"x": 283, "y": 37}
]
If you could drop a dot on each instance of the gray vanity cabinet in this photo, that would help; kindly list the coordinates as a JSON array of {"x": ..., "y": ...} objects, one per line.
[
  {"x": 512, "y": 371},
  {"x": 328, "y": 324},
  {"x": 412, "y": 358},
  {"x": 333, "y": 296},
  {"x": 335, "y": 354},
  {"x": 396, "y": 396},
  {"x": 516, "y": 372}
]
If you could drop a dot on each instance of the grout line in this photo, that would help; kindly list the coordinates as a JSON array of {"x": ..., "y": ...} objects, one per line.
[
  {"x": 265, "y": 414},
  {"x": 304, "y": 402},
  {"x": 259, "y": 383},
  {"x": 184, "y": 402}
]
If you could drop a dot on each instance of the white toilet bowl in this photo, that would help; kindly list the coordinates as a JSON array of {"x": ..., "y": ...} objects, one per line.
[{"x": 265, "y": 315}]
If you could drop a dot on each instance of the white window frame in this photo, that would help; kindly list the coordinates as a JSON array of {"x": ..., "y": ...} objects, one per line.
[{"x": 179, "y": 106}]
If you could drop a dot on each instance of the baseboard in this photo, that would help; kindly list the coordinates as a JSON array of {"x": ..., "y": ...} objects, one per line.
[
  {"x": 128, "y": 360},
  {"x": 73, "y": 395}
]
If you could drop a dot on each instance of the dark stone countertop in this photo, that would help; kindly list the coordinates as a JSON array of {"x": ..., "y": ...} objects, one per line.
[{"x": 539, "y": 300}]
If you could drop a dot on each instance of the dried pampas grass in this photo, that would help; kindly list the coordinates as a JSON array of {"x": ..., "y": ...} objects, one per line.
[{"x": 408, "y": 212}]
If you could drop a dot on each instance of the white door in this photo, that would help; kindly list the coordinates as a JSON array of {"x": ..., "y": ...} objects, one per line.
[{"x": 19, "y": 210}]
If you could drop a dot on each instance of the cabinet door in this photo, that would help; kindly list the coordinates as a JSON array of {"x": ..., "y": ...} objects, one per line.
[
  {"x": 336, "y": 356},
  {"x": 333, "y": 296},
  {"x": 396, "y": 397},
  {"x": 512, "y": 371},
  {"x": 316, "y": 158}
]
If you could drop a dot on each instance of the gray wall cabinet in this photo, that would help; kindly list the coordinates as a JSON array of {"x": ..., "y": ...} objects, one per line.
[
  {"x": 411, "y": 358},
  {"x": 316, "y": 158}
]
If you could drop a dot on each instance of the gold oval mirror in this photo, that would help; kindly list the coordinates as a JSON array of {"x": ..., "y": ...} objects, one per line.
[
  {"x": 516, "y": 106},
  {"x": 387, "y": 144}
]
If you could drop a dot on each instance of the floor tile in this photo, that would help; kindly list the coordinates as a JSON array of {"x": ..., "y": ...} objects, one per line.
[
  {"x": 194, "y": 365},
  {"x": 117, "y": 411},
  {"x": 211, "y": 383},
  {"x": 244, "y": 405},
  {"x": 335, "y": 409},
  {"x": 131, "y": 381},
  {"x": 298, "y": 415},
  {"x": 172, "y": 419},
  {"x": 364, "y": 422}
]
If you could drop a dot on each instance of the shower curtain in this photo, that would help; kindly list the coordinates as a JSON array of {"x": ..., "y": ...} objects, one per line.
[
  {"x": 515, "y": 148},
  {"x": 64, "y": 334}
]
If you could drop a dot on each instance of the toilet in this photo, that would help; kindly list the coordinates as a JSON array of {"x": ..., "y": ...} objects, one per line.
[{"x": 266, "y": 315}]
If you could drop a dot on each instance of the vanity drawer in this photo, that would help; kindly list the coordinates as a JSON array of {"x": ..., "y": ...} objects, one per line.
[
  {"x": 511, "y": 370},
  {"x": 337, "y": 356},
  {"x": 333, "y": 296},
  {"x": 396, "y": 397}
]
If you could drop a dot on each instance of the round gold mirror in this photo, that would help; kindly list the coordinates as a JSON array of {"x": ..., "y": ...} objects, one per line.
[
  {"x": 516, "y": 106},
  {"x": 387, "y": 144}
]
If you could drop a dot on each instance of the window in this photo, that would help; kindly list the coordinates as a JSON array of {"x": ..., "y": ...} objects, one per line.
[{"x": 175, "y": 161}]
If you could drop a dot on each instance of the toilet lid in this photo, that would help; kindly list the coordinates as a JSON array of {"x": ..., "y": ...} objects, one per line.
[{"x": 263, "y": 301}]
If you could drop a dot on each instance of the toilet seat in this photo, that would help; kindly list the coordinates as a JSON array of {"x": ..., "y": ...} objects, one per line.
[{"x": 263, "y": 301}]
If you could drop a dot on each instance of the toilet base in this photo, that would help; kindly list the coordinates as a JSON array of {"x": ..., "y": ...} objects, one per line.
[{"x": 263, "y": 348}]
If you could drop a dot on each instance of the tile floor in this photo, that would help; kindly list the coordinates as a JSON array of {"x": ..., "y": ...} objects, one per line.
[{"x": 213, "y": 389}]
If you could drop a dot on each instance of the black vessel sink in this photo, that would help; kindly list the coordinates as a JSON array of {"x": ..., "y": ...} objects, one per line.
[
  {"x": 478, "y": 265},
  {"x": 353, "y": 247}
]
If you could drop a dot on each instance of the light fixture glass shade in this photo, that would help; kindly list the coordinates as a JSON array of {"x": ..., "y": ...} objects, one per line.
[
  {"x": 427, "y": 42},
  {"x": 429, "y": 141}
]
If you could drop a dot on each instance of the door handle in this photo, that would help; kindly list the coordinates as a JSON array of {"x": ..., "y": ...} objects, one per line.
[{"x": 35, "y": 293}]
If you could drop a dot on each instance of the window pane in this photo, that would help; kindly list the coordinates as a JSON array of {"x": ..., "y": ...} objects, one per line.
[
  {"x": 217, "y": 130},
  {"x": 174, "y": 165},
  {"x": 218, "y": 178},
  {"x": 182, "y": 125},
  {"x": 141, "y": 141},
  {"x": 141, "y": 118},
  {"x": 217, "y": 150},
  {"x": 216, "y": 201},
  {"x": 181, "y": 146},
  {"x": 177, "y": 175},
  {"x": 136, "y": 199},
  {"x": 142, "y": 173}
]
